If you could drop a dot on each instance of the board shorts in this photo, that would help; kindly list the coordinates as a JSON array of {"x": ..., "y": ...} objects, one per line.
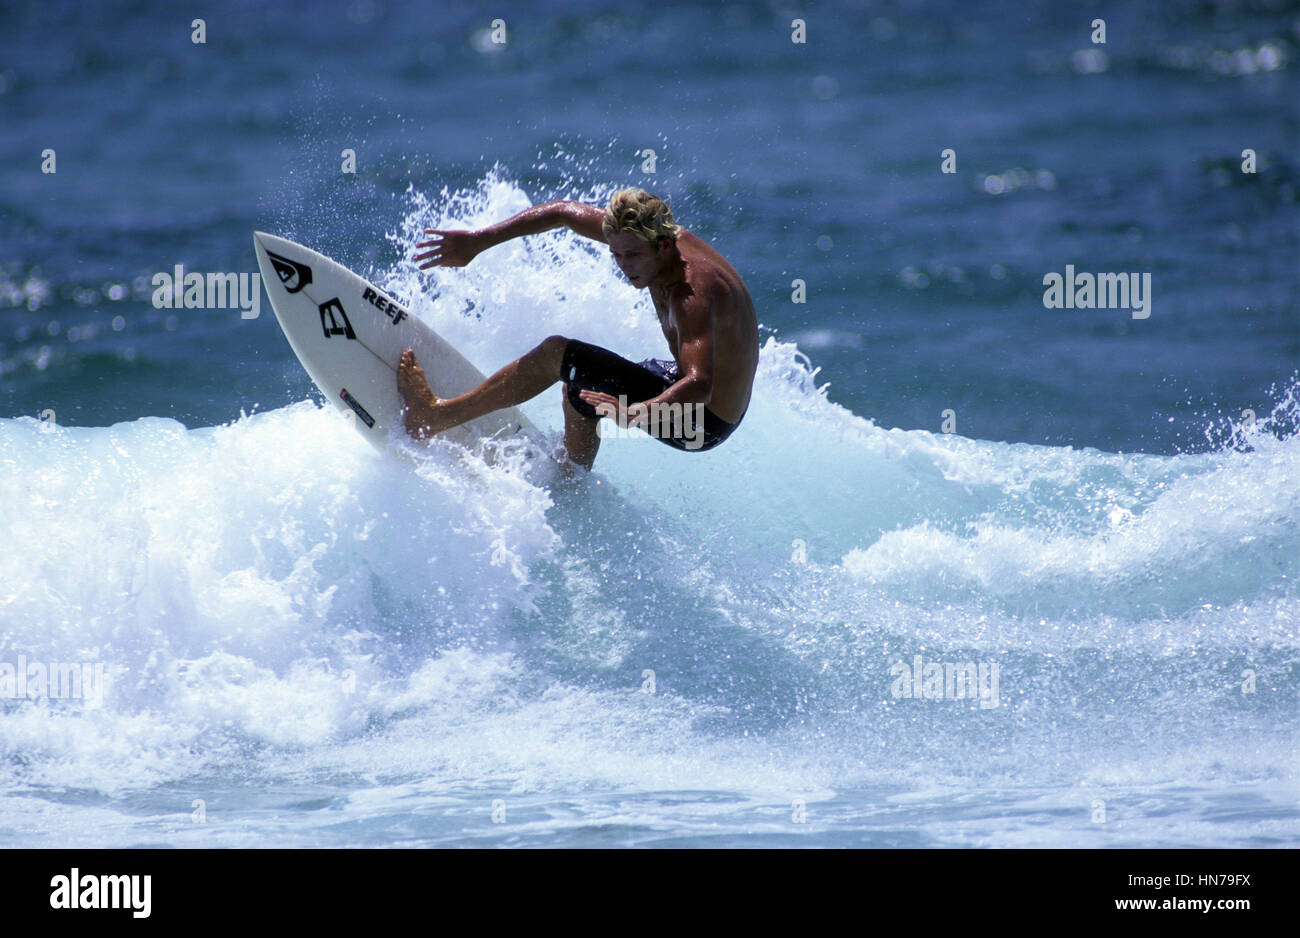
[{"x": 592, "y": 368}]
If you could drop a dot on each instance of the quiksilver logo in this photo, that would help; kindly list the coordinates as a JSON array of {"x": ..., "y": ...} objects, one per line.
[{"x": 293, "y": 276}]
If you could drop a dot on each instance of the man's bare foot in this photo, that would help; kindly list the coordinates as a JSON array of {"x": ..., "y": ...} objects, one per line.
[{"x": 421, "y": 415}]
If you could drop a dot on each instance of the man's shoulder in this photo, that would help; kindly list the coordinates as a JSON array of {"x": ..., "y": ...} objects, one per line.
[
  {"x": 704, "y": 285},
  {"x": 710, "y": 265}
]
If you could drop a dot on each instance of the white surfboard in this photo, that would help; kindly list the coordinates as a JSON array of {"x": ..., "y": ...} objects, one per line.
[{"x": 350, "y": 335}]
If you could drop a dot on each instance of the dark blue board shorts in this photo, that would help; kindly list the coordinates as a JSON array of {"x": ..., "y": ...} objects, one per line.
[{"x": 592, "y": 368}]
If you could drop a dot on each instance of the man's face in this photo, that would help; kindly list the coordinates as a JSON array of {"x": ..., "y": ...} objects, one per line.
[{"x": 638, "y": 260}]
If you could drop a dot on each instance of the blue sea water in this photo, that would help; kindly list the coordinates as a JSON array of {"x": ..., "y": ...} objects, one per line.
[{"x": 306, "y": 642}]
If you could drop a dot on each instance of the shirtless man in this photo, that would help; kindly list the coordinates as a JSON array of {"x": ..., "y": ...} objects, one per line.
[{"x": 704, "y": 310}]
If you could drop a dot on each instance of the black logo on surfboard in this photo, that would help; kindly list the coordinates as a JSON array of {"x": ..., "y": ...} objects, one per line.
[
  {"x": 293, "y": 276},
  {"x": 334, "y": 321}
]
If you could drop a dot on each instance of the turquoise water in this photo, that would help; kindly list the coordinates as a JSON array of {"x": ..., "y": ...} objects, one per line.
[{"x": 306, "y": 642}]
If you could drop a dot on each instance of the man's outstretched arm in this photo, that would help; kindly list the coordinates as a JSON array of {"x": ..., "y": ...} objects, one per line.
[{"x": 458, "y": 248}]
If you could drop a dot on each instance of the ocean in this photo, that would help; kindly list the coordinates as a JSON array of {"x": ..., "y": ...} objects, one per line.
[{"x": 977, "y": 570}]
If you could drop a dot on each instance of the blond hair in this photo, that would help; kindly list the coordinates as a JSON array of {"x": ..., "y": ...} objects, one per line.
[{"x": 635, "y": 211}]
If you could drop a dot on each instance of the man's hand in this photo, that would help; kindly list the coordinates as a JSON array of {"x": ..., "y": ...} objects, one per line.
[
  {"x": 458, "y": 248},
  {"x": 449, "y": 248},
  {"x": 634, "y": 415}
]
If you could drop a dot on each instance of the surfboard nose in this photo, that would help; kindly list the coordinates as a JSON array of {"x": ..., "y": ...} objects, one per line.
[
  {"x": 278, "y": 245},
  {"x": 260, "y": 245},
  {"x": 268, "y": 242}
]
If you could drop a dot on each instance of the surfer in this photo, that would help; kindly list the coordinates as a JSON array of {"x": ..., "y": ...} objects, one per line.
[{"x": 704, "y": 310}]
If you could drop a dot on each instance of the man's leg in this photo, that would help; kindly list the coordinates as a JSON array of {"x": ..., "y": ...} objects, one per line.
[
  {"x": 580, "y": 437},
  {"x": 522, "y": 379}
]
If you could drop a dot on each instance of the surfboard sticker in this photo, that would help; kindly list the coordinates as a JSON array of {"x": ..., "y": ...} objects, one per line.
[
  {"x": 361, "y": 411},
  {"x": 334, "y": 320},
  {"x": 293, "y": 276}
]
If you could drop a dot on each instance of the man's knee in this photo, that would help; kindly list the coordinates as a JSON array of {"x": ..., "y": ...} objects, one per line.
[{"x": 553, "y": 346}]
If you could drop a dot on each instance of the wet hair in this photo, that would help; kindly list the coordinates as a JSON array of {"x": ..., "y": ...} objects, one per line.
[{"x": 635, "y": 211}]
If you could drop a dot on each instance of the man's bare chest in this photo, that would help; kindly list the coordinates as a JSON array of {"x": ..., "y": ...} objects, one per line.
[{"x": 667, "y": 319}]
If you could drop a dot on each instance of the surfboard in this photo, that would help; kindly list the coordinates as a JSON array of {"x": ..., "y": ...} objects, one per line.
[{"x": 350, "y": 335}]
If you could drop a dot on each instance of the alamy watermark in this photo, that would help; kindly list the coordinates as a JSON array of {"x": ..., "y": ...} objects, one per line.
[
  {"x": 947, "y": 680},
  {"x": 1098, "y": 291},
  {"x": 677, "y": 421},
  {"x": 87, "y": 891},
  {"x": 57, "y": 680},
  {"x": 179, "y": 290}
]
